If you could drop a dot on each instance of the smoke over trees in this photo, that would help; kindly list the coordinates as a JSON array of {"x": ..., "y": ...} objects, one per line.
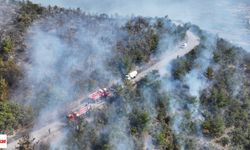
[{"x": 52, "y": 56}]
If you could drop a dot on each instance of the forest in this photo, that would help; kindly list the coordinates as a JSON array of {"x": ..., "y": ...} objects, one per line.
[{"x": 158, "y": 112}]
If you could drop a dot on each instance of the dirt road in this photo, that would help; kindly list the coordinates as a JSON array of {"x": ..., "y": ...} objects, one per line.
[
  {"x": 53, "y": 129},
  {"x": 191, "y": 40}
]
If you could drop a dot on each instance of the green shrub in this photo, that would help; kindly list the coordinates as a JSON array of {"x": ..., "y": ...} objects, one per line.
[
  {"x": 9, "y": 71},
  {"x": 7, "y": 45},
  {"x": 181, "y": 68},
  {"x": 4, "y": 90},
  {"x": 224, "y": 141},
  {"x": 161, "y": 139},
  {"x": 13, "y": 115},
  {"x": 210, "y": 73},
  {"x": 28, "y": 13},
  {"x": 213, "y": 126},
  {"x": 138, "y": 121}
]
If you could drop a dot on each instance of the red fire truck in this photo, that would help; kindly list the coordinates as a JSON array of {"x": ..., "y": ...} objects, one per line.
[
  {"x": 83, "y": 110},
  {"x": 99, "y": 94}
]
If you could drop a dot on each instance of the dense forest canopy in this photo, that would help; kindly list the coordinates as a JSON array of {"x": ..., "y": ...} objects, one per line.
[{"x": 49, "y": 56}]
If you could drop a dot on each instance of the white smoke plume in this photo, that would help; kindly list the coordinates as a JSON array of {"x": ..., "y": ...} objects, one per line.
[
  {"x": 182, "y": 109},
  {"x": 67, "y": 51},
  {"x": 228, "y": 18},
  {"x": 68, "y": 58}
]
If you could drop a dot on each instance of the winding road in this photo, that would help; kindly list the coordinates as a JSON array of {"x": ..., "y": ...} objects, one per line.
[
  {"x": 191, "y": 40},
  {"x": 53, "y": 129}
]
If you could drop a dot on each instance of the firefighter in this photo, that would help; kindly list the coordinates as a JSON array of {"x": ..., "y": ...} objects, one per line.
[{"x": 49, "y": 130}]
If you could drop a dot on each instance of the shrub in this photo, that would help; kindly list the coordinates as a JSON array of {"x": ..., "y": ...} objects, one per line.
[
  {"x": 209, "y": 73},
  {"x": 13, "y": 115},
  {"x": 4, "y": 90},
  {"x": 213, "y": 126},
  {"x": 7, "y": 45},
  {"x": 138, "y": 121}
]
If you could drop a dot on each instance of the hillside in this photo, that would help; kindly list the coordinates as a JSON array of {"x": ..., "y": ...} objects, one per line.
[{"x": 51, "y": 59}]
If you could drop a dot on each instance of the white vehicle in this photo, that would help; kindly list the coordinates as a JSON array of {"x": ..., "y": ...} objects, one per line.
[
  {"x": 183, "y": 45},
  {"x": 131, "y": 75}
]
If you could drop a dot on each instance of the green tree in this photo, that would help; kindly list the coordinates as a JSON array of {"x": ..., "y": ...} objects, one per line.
[
  {"x": 138, "y": 121},
  {"x": 13, "y": 115},
  {"x": 213, "y": 126},
  {"x": 7, "y": 45},
  {"x": 4, "y": 91},
  {"x": 9, "y": 71},
  {"x": 210, "y": 73}
]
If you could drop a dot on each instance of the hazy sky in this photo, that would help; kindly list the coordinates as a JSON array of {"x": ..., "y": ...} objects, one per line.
[{"x": 228, "y": 18}]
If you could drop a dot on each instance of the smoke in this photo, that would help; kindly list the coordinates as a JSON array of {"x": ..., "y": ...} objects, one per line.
[
  {"x": 119, "y": 139},
  {"x": 184, "y": 105},
  {"x": 69, "y": 55},
  {"x": 148, "y": 143},
  {"x": 7, "y": 13},
  {"x": 68, "y": 58},
  {"x": 228, "y": 18}
]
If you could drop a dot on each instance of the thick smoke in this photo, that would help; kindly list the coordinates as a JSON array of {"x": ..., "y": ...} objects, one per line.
[
  {"x": 119, "y": 139},
  {"x": 184, "y": 104},
  {"x": 68, "y": 59},
  {"x": 228, "y": 18}
]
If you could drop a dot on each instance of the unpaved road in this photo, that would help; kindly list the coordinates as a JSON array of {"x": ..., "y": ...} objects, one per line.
[
  {"x": 55, "y": 127},
  {"x": 42, "y": 134},
  {"x": 191, "y": 40}
]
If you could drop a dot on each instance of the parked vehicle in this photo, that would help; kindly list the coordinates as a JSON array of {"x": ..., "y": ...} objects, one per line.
[{"x": 131, "y": 75}]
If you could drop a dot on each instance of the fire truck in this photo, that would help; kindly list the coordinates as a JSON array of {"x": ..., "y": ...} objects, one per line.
[
  {"x": 101, "y": 93},
  {"x": 95, "y": 96},
  {"x": 83, "y": 110}
]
